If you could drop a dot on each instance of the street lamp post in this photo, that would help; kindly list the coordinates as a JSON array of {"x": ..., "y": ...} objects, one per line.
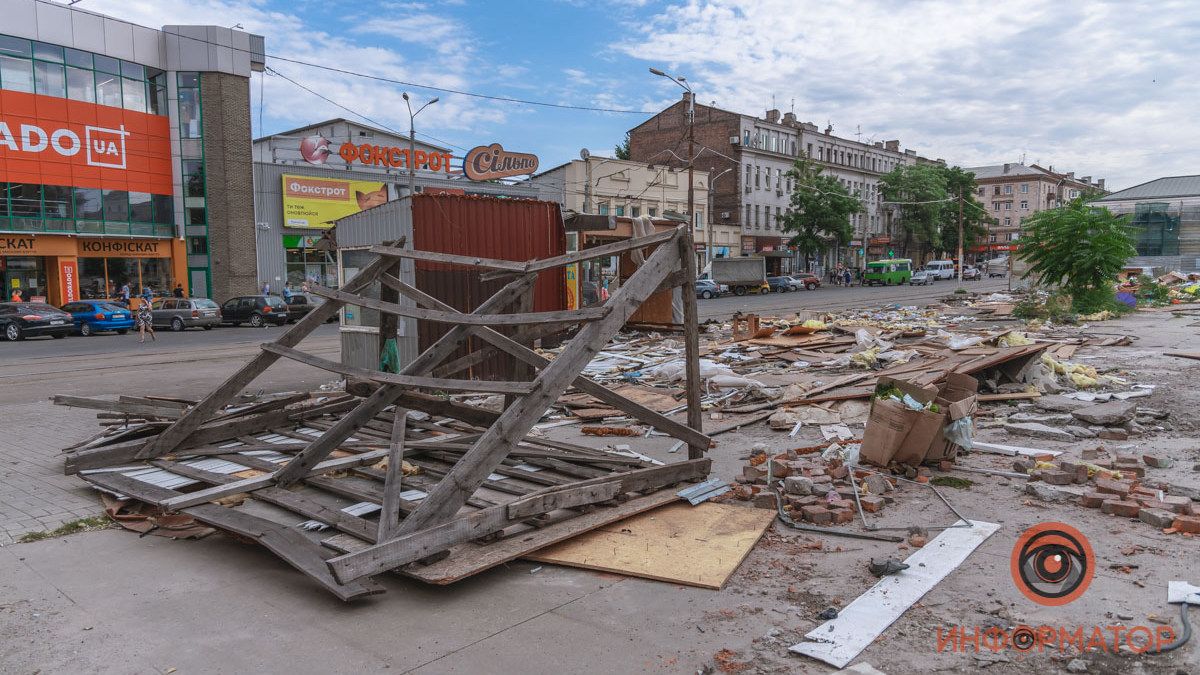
[
  {"x": 691, "y": 121},
  {"x": 712, "y": 178},
  {"x": 412, "y": 141}
]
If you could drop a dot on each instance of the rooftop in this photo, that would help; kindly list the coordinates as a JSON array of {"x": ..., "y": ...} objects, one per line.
[{"x": 1160, "y": 188}]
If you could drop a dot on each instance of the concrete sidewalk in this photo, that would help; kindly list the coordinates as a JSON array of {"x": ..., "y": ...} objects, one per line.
[
  {"x": 34, "y": 493},
  {"x": 112, "y": 602}
]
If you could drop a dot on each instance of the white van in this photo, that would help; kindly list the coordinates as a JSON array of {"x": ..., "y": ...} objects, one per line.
[{"x": 942, "y": 269}]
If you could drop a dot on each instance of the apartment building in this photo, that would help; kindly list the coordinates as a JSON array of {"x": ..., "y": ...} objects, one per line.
[
  {"x": 757, "y": 153},
  {"x": 1013, "y": 192}
]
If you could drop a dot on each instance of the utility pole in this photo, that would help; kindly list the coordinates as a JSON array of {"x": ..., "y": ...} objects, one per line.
[
  {"x": 587, "y": 185},
  {"x": 412, "y": 141},
  {"x": 961, "y": 261}
]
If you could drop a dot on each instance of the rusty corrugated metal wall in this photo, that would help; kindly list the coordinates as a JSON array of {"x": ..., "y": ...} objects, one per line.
[{"x": 488, "y": 227}]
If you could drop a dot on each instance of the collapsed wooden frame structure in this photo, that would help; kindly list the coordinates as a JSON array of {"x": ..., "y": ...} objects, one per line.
[{"x": 500, "y": 492}]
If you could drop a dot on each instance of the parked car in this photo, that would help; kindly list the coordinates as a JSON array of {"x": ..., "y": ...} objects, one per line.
[
  {"x": 180, "y": 313},
  {"x": 89, "y": 317},
  {"x": 971, "y": 272},
  {"x": 298, "y": 305},
  {"x": 256, "y": 310},
  {"x": 922, "y": 278},
  {"x": 807, "y": 280},
  {"x": 707, "y": 288},
  {"x": 19, "y": 320},
  {"x": 780, "y": 284}
]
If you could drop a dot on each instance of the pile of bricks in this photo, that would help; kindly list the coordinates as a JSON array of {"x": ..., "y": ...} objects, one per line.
[
  {"x": 1117, "y": 488},
  {"x": 813, "y": 490}
]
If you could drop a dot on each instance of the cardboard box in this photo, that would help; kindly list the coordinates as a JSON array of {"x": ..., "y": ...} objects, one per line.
[
  {"x": 890, "y": 425},
  {"x": 957, "y": 398}
]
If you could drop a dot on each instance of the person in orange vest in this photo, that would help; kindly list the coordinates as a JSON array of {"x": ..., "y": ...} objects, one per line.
[{"x": 16, "y": 295}]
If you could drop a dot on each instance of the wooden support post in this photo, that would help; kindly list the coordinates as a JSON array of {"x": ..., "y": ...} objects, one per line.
[
  {"x": 691, "y": 341},
  {"x": 389, "y": 518},
  {"x": 485, "y": 454},
  {"x": 518, "y": 371},
  {"x": 388, "y": 323}
]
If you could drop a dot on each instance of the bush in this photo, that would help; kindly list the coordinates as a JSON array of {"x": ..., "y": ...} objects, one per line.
[
  {"x": 1055, "y": 307},
  {"x": 1098, "y": 300}
]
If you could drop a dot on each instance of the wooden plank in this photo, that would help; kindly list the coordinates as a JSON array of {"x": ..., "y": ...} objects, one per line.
[
  {"x": 691, "y": 343},
  {"x": 435, "y": 383},
  {"x": 538, "y": 504},
  {"x": 449, "y": 258},
  {"x": 291, "y": 546},
  {"x": 1184, "y": 355},
  {"x": 582, "y": 382},
  {"x": 678, "y": 543},
  {"x": 118, "y": 406},
  {"x": 517, "y": 420},
  {"x": 1009, "y": 397},
  {"x": 460, "y": 318},
  {"x": 412, "y": 546},
  {"x": 217, "y": 398},
  {"x": 389, "y": 518}
]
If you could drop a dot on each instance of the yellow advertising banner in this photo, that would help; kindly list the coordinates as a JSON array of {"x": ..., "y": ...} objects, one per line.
[{"x": 320, "y": 202}]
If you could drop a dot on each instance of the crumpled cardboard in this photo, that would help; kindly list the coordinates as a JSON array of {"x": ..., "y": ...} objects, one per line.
[{"x": 897, "y": 433}]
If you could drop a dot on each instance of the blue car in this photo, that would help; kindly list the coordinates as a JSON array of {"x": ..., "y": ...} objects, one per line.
[{"x": 91, "y": 316}]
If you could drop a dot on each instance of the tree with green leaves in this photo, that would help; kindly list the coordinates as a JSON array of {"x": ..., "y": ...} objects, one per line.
[
  {"x": 975, "y": 218},
  {"x": 921, "y": 190},
  {"x": 621, "y": 150},
  {"x": 1080, "y": 248},
  {"x": 819, "y": 215}
]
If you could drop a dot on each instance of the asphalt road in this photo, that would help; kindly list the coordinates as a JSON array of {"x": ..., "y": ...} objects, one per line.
[{"x": 833, "y": 298}]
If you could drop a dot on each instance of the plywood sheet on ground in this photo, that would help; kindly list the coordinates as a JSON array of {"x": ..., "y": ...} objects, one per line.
[{"x": 679, "y": 543}]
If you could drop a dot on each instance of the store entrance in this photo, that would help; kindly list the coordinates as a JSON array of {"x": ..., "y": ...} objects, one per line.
[{"x": 25, "y": 273}]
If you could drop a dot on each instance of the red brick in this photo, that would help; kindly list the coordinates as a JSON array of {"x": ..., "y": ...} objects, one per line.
[
  {"x": 1189, "y": 524},
  {"x": 1156, "y": 518},
  {"x": 839, "y": 472},
  {"x": 872, "y": 503},
  {"x": 1058, "y": 477},
  {"x": 841, "y": 504},
  {"x": 1157, "y": 462},
  {"x": 843, "y": 516},
  {"x": 1180, "y": 505},
  {"x": 779, "y": 469},
  {"x": 1124, "y": 509},
  {"x": 1093, "y": 500},
  {"x": 764, "y": 500},
  {"x": 818, "y": 515},
  {"x": 1113, "y": 487}
]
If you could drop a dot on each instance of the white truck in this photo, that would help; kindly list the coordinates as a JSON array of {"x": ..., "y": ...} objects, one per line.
[{"x": 741, "y": 275}]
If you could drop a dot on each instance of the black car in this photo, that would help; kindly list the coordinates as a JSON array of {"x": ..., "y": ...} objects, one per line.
[
  {"x": 19, "y": 320},
  {"x": 297, "y": 306},
  {"x": 256, "y": 310}
]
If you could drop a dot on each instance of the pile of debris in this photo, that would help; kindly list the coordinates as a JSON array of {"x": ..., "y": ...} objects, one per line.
[{"x": 1066, "y": 419}]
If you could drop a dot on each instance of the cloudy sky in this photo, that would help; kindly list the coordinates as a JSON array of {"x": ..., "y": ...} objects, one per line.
[{"x": 1100, "y": 88}]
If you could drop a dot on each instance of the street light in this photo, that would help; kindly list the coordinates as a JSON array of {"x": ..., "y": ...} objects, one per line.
[
  {"x": 691, "y": 119},
  {"x": 412, "y": 141}
]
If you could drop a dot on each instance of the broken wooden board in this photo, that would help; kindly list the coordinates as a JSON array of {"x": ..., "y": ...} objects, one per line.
[
  {"x": 839, "y": 641},
  {"x": 1184, "y": 355},
  {"x": 679, "y": 543}
]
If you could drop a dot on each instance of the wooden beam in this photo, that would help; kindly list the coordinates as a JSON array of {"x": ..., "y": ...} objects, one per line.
[
  {"x": 389, "y": 518},
  {"x": 175, "y": 434},
  {"x": 460, "y": 318},
  {"x": 582, "y": 382},
  {"x": 435, "y": 383},
  {"x": 613, "y": 248},
  {"x": 413, "y": 546},
  {"x": 691, "y": 342},
  {"x": 462, "y": 481},
  {"x": 118, "y": 406}
]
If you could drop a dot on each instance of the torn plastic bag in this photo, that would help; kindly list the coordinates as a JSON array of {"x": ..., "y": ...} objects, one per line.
[{"x": 960, "y": 432}]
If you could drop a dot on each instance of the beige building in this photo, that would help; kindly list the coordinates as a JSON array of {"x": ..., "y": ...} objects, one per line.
[
  {"x": 1013, "y": 192},
  {"x": 623, "y": 188}
]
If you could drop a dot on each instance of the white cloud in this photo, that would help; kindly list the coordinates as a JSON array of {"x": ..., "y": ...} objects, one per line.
[
  {"x": 428, "y": 50},
  {"x": 1100, "y": 88}
]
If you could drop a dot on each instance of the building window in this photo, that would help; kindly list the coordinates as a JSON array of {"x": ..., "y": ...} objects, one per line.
[
  {"x": 1024, "y": 188},
  {"x": 757, "y": 175},
  {"x": 1007, "y": 206},
  {"x": 995, "y": 206},
  {"x": 1008, "y": 189},
  {"x": 620, "y": 211},
  {"x": 747, "y": 222},
  {"x": 1008, "y": 222},
  {"x": 197, "y": 245},
  {"x": 1024, "y": 204},
  {"x": 603, "y": 210},
  {"x": 991, "y": 238},
  {"x": 635, "y": 211},
  {"x": 652, "y": 211},
  {"x": 746, "y": 138}
]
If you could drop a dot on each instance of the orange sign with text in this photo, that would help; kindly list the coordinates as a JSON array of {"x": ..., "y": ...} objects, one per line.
[
  {"x": 56, "y": 141},
  {"x": 69, "y": 279}
]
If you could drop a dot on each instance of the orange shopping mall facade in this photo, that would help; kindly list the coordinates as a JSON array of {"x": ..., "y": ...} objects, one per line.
[{"x": 60, "y": 268}]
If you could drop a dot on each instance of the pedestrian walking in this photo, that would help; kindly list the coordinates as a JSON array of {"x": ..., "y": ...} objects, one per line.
[
  {"x": 178, "y": 291},
  {"x": 288, "y": 292},
  {"x": 125, "y": 294},
  {"x": 145, "y": 322},
  {"x": 846, "y": 277},
  {"x": 147, "y": 295},
  {"x": 266, "y": 289}
]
